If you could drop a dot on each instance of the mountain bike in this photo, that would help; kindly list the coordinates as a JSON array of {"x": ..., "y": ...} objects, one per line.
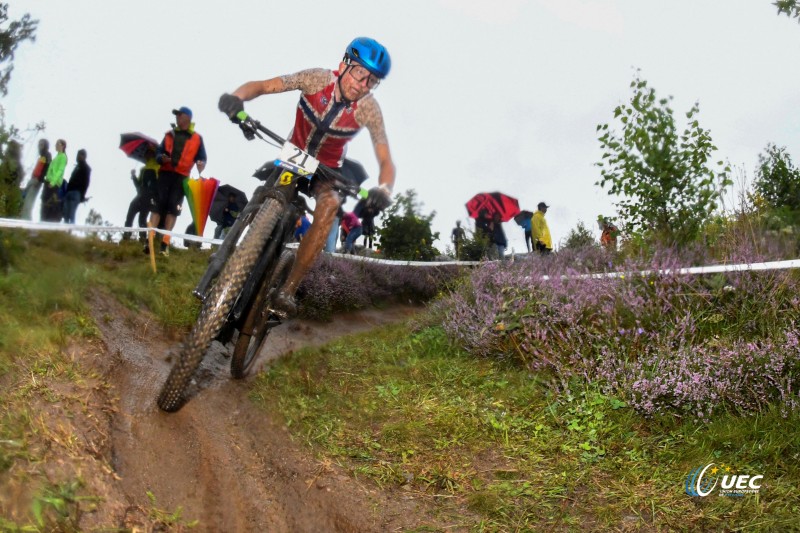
[{"x": 252, "y": 263}]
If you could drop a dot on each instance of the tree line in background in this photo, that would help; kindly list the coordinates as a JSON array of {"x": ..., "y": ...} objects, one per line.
[{"x": 668, "y": 190}]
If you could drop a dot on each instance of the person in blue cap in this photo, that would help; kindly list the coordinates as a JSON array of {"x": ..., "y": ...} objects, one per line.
[{"x": 181, "y": 149}]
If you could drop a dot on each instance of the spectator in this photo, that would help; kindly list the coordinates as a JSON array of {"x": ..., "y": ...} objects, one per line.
[
  {"x": 540, "y": 231},
  {"x": 498, "y": 236},
  {"x": 181, "y": 149},
  {"x": 526, "y": 227},
  {"x": 11, "y": 174},
  {"x": 367, "y": 214},
  {"x": 483, "y": 232},
  {"x": 145, "y": 185},
  {"x": 229, "y": 215},
  {"x": 51, "y": 210},
  {"x": 333, "y": 234},
  {"x": 368, "y": 226},
  {"x": 608, "y": 237},
  {"x": 482, "y": 224},
  {"x": 301, "y": 227},
  {"x": 352, "y": 226},
  {"x": 457, "y": 237},
  {"x": 77, "y": 187},
  {"x": 191, "y": 229},
  {"x": 37, "y": 177}
]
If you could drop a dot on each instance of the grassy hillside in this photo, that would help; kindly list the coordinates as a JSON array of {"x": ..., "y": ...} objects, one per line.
[
  {"x": 493, "y": 447},
  {"x": 572, "y": 403}
]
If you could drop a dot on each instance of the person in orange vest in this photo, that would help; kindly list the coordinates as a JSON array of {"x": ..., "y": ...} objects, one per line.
[{"x": 181, "y": 149}]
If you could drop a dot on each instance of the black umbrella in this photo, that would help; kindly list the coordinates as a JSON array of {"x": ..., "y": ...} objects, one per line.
[
  {"x": 221, "y": 201},
  {"x": 135, "y": 145}
]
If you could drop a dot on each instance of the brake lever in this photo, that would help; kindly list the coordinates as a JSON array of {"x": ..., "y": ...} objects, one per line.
[{"x": 248, "y": 131}]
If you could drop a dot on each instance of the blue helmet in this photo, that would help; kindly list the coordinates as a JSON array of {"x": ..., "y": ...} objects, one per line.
[{"x": 371, "y": 54}]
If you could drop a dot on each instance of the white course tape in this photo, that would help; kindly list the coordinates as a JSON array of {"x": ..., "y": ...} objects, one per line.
[
  {"x": 58, "y": 226},
  {"x": 711, "y": 269}
]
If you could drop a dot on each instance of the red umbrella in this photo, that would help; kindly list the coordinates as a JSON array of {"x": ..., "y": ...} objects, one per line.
[
  {"x": 135, "y": 145},
  {"x": 493, "y": 202}
]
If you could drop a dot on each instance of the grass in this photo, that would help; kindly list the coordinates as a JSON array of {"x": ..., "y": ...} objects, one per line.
[{"x": 497, "y": 452}]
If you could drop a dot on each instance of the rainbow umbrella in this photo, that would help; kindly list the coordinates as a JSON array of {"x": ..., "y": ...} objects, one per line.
[{"x": 200, "y": 193}]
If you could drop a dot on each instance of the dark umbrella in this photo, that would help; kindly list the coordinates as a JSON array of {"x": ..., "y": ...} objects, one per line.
[
  {"x": 523, "y": 215},
  {"x": 221, "y": 201},
  {"x": 493, "y": 202},
  {"x": 135, "y": 145}
]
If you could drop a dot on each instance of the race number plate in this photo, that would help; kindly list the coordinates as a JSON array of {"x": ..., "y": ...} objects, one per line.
[{"x": 294, "y": 159}]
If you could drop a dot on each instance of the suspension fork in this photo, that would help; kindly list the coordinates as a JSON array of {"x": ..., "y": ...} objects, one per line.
[{"x": 220, "y": 257}]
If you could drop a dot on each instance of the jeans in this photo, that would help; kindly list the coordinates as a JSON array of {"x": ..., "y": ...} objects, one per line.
[
  {"x": 501, "y": 251},
  {"x": 333, "y": 236},
  {"x": 71, "y": 202},
  {"x": 31, "y": 193},
  {"x": 354, "y": 234}
]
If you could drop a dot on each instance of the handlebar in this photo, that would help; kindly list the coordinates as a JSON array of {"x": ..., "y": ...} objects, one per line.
[{"x": 252, "y": 128}]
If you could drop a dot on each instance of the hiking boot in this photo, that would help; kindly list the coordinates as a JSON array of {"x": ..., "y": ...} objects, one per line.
[{"x": 283, "y": 303}]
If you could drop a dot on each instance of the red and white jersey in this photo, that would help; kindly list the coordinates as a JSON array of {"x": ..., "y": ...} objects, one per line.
[{"x": 323, "y": 126}]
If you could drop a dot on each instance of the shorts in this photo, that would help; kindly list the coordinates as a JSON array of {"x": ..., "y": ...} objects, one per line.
[{"x": 168, "y": 198}]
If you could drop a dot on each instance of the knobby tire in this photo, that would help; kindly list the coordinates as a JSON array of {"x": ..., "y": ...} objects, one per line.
[{"x": 218, "y": 304}]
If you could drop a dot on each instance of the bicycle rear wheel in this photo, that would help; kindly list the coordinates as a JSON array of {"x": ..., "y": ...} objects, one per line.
[
  {"x": 261, "y": 319},
  {"x": 218, "y": 304}
]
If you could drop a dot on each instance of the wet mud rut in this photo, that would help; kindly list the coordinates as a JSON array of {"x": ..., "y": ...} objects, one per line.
[{"x": 227, "y": 463}]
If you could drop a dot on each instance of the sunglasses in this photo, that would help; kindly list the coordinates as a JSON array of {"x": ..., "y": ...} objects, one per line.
[{"x": 360, "y": 74}]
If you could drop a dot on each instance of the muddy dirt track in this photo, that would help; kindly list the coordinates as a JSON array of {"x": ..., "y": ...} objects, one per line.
[{"x": 228, "y": 464}]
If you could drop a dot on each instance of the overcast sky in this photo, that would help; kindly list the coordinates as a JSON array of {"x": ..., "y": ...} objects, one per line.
[{"x": 483, "y": 96}]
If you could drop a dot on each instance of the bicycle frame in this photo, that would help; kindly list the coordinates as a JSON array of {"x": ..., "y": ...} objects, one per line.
[{"x": 296, "y": 203}]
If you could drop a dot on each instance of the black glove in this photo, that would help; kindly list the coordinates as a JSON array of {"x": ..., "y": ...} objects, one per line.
[
  {"x": 230, "y": 105},
  {"x": 378, "y": 199}
]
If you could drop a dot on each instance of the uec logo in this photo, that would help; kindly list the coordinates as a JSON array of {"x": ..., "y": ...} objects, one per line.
[{"x": 700, "y": 484}]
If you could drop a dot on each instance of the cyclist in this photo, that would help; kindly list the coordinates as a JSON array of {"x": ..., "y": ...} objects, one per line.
[{"x": 333, "y": 107}]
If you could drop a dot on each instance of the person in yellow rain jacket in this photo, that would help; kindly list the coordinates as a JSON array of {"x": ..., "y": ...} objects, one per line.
[{"x": 540, "y": 231}]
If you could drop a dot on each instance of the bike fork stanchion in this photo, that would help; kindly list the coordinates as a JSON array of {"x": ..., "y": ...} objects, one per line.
[{"x": 228, "y": 245}]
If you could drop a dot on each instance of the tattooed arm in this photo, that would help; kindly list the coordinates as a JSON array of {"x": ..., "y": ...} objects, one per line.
[
  {"x": 369, "y": 115},
  {"x": 308, "y": 81}
]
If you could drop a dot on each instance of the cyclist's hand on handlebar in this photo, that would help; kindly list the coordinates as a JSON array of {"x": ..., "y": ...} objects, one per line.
[
  {"x": 379, "y": 198},
  {"x": 230, "y": 105}
]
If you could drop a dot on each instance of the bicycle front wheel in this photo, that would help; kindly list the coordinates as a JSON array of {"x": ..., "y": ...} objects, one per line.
[
  {"x": 218, "y": 304},
  {"x": 261, "y": 319}
]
